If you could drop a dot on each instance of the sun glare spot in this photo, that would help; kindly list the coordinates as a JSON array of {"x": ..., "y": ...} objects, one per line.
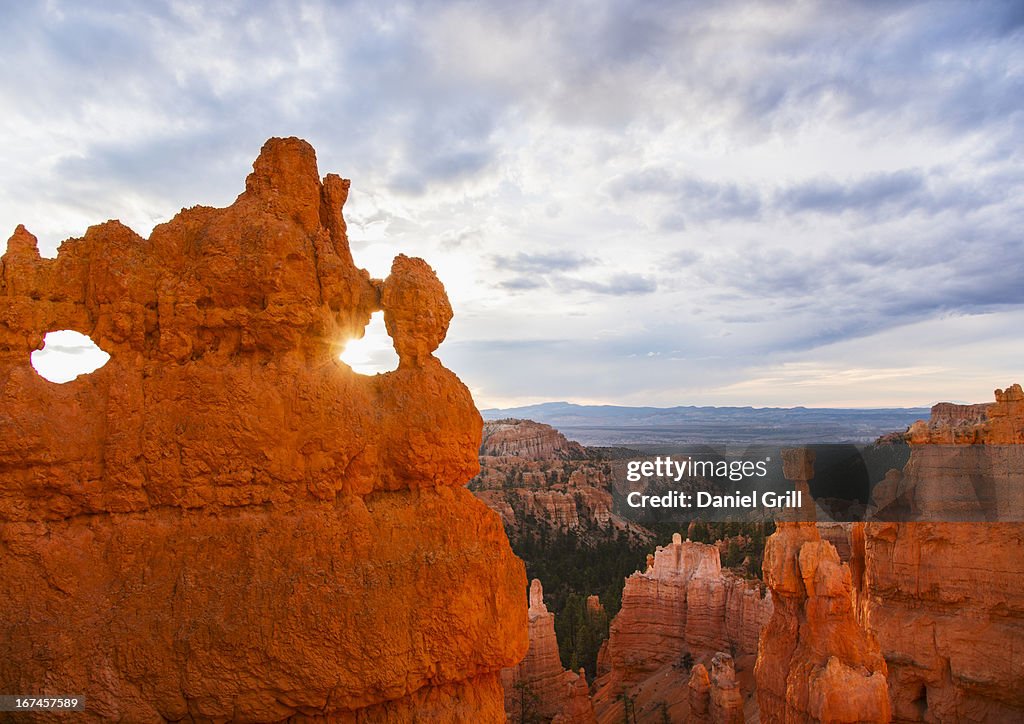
[
  {"x": 374, "y": 353},
  {"x": 66, "y": 355}
]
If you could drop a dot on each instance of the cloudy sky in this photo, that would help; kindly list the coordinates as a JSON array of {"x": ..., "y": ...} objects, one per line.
[{"x": 657, "y": 203}]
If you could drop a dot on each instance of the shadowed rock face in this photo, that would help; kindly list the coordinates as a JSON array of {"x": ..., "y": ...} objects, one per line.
[
  {"x": 942, "y": 600},
  {"x": 225, "y": 521}
]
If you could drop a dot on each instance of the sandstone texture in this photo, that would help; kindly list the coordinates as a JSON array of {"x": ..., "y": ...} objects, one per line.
[
  {"x": 683, "y": 607},
  {"x": 944, "y": 598},
  {"x": 538, "y": 688},
  {"x": 815, "y": 662},
  {"x": 964, "y": 468},
  {"x": 683, "y": 603},
  {"x": 715, "y": 698},
  {"x": 839, "y": 535},
  {"x": 948, "y": 414},
  {"x": 225, "y": 522},
  {"x": 699, "y": 694}
]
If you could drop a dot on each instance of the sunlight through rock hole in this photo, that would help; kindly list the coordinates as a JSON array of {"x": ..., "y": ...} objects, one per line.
[
  {"x": 66, "y": 355},
  {"x": 374, "y": 353}
]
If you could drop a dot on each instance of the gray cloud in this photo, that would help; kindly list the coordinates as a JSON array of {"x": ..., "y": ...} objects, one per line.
[
  {"x": 898, "y": 189},
  {"x": 690, "y": 197},
  {"x": 541, "y": 263},
  {"x": 868, "y": 289},
  {"x": 685, "y": 258},
  {"x": 623, "y": 284},
  {"x": 520, "y": 284}
]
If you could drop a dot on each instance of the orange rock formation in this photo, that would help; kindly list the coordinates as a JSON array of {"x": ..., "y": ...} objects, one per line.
[
  {"x": 815, "y": 663},
  {"x": 225, "y": 522},
  {"x": 715, "y": 698},
  {"x": 682, "y": 604},
  {"x": 945, "y": 599},
  {"x": 538, "y": 687}
]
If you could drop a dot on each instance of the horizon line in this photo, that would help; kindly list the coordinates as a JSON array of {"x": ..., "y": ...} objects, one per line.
[{"x": 736, "y": 407}]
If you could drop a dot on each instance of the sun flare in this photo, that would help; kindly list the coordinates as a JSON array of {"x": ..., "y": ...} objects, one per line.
[{"x": 374, "y": 353}]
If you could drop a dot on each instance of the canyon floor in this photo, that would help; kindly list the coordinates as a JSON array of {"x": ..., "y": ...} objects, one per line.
[{"x": 799, "y": 621}]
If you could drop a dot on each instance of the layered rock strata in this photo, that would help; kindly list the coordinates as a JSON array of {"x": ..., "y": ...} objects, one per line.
[
  {"x": 948, "y": 414},
  {"x": 683, "y": 604},
  {"x": 538, "y": 688},
  {"x": 535, "y": 479},
  {"x": 528, "y": 440},
  {"x": 225, "y": 522},
  {"x": 962, "y": 468},
  {"x": 944, "y": 599}
]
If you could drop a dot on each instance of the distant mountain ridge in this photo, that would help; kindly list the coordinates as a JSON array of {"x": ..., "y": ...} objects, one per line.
[{"x": 616, "y": 425}]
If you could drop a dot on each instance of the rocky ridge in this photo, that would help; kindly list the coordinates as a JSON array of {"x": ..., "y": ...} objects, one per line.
[
  {"x": 528, "y": 440},
  {"x": 534, "y": 477}
]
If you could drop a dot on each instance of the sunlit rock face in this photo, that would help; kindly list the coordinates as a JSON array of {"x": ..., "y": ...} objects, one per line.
[
  {"x": 945, "y": 599},
  {"x": 225, "y": 521},
  {"x": 815, "y": 662}
]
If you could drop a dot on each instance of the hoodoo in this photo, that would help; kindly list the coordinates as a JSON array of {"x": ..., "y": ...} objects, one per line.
[{"x": 225, "y": 522}]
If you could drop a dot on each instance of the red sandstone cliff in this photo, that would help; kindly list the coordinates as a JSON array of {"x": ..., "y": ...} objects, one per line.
[
  {"x": 225, "y": 522},
  {"x": 945, "y": 599},
  {"x": 538, "y": 688},
  {"x": 715, "y": 698},
  {"x": 947, "y": 414}
]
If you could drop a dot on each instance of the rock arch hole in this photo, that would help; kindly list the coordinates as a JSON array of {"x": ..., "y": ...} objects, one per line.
[
  {"x": 66, "y": 355},
  {"x": 375, "y": 352}
]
